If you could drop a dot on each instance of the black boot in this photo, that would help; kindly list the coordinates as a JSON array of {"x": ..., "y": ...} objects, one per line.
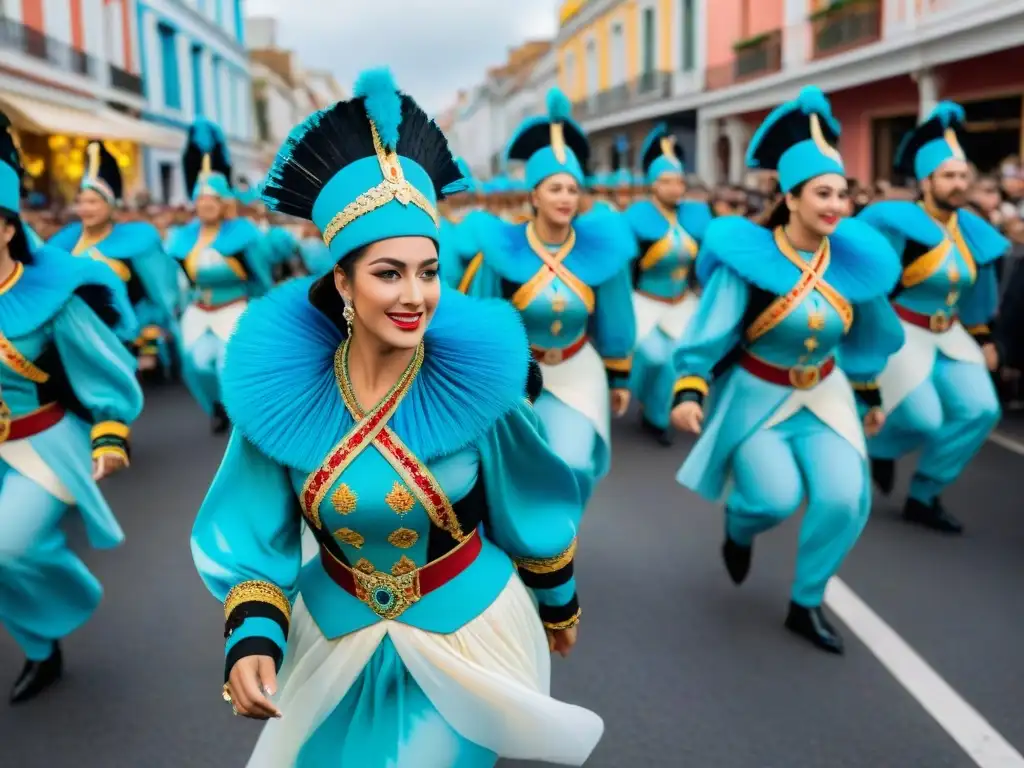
[
  {"x": 37, "y": 676},
  {"x": 737, "y": 560},
  {"x": 664, "y": 437},
  {"x": 883, "y": 472},
  {"x": 219, "y": 422},
  {"x": 932, "y": 516},
  {"x": 812, "y": 625}
]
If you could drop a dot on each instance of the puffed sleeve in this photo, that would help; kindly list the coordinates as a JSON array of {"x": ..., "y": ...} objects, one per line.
[
  {"x": 259, "y": 264},
  {"x": 978, "y": 304},
  {"x": 246, "y": 544},
  {"x": 101, "y": 373},
  {"x": 158, "y": 275},
  {"x": 876, "y": 334},
  {"x": 714, "y": 330},
  {"x": 534, "y": 508},
  {"x": 613, "y": 327}
]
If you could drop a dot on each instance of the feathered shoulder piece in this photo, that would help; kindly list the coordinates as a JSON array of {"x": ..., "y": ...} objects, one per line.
[
  {"x": 604, "y": 245},
  {"x": 862, "y": 264},
  {"x": 647, "y": 222},
  {"x": 903, "y": 220},
  {"x": 235, "y": 236},
  {"x": 47, "y": 284},
  {"x": 279, "y": 385},
  {"x": 125, "y": 241},
  {"x": 985, "y": 241},
  {"x": 695, "y": 216}
]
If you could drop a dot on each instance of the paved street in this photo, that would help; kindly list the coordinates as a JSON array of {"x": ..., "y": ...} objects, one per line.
[{"x": 686, "y": 669}]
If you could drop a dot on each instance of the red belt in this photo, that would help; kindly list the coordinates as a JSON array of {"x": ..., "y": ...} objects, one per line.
[
  {"x": 798, "y": 377},
  {"x": 939, "y": 322},
  {"x": 387, "y": 595},
  {"x": 556, "y": 356},
  {"x": 32, "y": 424}
]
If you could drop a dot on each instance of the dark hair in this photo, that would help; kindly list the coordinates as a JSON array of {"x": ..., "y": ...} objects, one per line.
[
  {"x": 18, "y": 247},
  {"x": 778, "y": 215},
  {"x": 324, "y": 294}
]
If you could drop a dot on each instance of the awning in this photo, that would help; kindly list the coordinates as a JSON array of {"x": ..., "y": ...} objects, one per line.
[{"x": 35, "y": 116}]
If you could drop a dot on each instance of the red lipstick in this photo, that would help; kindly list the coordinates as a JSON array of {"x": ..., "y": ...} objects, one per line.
[{"x": 406, "y": 321}]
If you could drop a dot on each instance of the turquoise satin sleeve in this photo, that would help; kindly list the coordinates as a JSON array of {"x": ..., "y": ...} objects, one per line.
[
  {"x": 99, "y": 368},
  {"x": 534, "y": 508},
  {"x": 246, "y": 544},
  {"x": 158, "y": 274},
  {"x": 875, "y": 335},
  {"x": 259, "y": 265},
  {"x": 613, "y": 327},
  {"x": 979, "y": 302}
]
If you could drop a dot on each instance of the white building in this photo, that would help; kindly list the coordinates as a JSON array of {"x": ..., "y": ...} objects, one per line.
[{"x": 194, "y": 63}]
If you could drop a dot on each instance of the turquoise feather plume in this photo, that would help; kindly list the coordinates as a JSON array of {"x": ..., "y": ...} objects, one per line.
[
  {"x": 383, "y": 103},
  {"x": 559, "y": 106}
]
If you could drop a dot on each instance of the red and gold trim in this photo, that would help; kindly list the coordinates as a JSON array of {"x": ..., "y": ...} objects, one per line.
[
  {"x": 798, "y": 377},
  {"x": 21, "y": 365}
]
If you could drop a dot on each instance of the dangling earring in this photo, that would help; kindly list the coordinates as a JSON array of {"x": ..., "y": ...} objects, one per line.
[{"x": 349, "y": 314}]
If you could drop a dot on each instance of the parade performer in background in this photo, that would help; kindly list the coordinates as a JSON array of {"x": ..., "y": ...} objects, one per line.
[
  {"x": 392, "y": 416},
  {"x": 224, "y": 263},
  {"x": 568, "y": 275},
  {"x": 316, "y": 256},
  {"x": 459, "y": 242},
  {"x": 780, "y": 300},
  {"x": 669, "y": 231},
  {"x": 132, "y": 250},
  {"x": 68, "y": 394},
  {"x": 937, "y": 390}
]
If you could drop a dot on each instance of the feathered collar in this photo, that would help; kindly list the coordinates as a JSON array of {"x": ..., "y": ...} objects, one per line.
[
  {"x": 36, "y": 292},
  {"x": 911, "y": 221},
  {"x": 234, "y": 236},
  {"x": 124, "y": 242},
  {"x": 279, "y": 385},
  {"x": 862, "y": 265},
  {"x": 604, "y": 245},
  {"x": 650, "y": 225}
]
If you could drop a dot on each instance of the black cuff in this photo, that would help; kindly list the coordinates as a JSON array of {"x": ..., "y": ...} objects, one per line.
[
  {"x": 255, "y": 609},
  {"x": 617, "y": 379},
  {"x": 870, "y": 396},
  {"x": 252, "y": 646},
  {"x": 687, "y": 396},
  {"x": 560, "y": 616},
  {"x": 548, "y": 580}
]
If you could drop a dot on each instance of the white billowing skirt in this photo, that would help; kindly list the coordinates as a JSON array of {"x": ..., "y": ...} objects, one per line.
[
  {"x": 582, "y": 384},
  {"x": 221, "y": 322},
  {"x": 671, "y": 319},
  {"x": 490, "y": 681},
  {"x": 833, "y": 402}
]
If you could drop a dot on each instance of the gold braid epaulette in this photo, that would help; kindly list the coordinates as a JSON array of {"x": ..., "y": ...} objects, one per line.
[
  {"x": 257, "y": 592},
  {"x": 547, "y": 564}
]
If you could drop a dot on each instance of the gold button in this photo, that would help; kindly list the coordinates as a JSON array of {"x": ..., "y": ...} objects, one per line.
[
  {"x": 350, "y": 537},
  {"x": 344, "y": 500},
  {"x": 403, "y": 538},
  {"x": 400, "y": 499}
]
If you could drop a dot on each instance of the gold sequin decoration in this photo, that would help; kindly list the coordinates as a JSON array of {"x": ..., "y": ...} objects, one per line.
[
  {"x": 816, "y": 320},
  {"x": 569, "y": 623},
  {"x": 365, "y": 566},
  {"x": 350, "y": 537},
  {"x": 810, "y": 344},
  {"x": 403, "y": 566},
  {"x": 256, "y": 591},
  {"x": 556, "y": 327},
  {"x": 400, "y": 499},
  {"x": 559, "y": 303},
  {"x": 344, "y": 500},
  {"x": 403, "y": 538}
]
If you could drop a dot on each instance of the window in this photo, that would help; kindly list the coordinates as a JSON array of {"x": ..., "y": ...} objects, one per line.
[
  {"x": 592, "y": 68},
  {"x": 169, "y": 65},
  {"x": 166, "y": 182},
  {"x": 649, "y": 42},
  {"x": 218, "y": 109},
  {"x": 618, "y": 55},
  {"x": 570, "y": 75},
  {"x": 688, "y": 42},
  {"x": 197, "y": 80}
]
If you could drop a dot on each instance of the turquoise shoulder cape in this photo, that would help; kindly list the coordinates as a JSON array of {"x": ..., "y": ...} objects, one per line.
[
  {"x": 648, "y": 224},
  {"x": 125, "y": 241},
  {"x": 235, "y": 235}
]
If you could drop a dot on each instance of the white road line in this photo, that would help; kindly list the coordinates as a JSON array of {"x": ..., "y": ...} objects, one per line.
[
  {"x": 1007, "y": 442},
  {"x": 960, "y": 720}
]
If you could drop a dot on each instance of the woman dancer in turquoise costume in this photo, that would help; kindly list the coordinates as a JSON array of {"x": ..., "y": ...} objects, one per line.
[
  {"x": 225, "y": 265},
  {"x": 669, "y": 231},
  {"x": 780, "y": 301},
  {"x": 132, "y": 250},
  {"x": 68, "y": 394},
  {"x": 937, "y": 389},
  {"x": 397, "y": 426},
  {"x": 568, "y": 276}
]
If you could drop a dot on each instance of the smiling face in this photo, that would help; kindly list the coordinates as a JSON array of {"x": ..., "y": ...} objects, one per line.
[
  {"x": 557, "y": 199},
  {"x": 393, "y": 288},
  {"x": 92, "y": 208},
  {"x": 820, "y": 203}
]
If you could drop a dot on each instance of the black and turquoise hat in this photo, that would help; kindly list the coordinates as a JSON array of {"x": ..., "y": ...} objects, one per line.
[
  {"x": 102, "y": 173},
  {"x": 207, "y": 161},
  {"x": 933, "y": 142}
]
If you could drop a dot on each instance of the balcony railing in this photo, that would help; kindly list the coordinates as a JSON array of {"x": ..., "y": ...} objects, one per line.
[
  {"x": 650, "y": 86},
  {"x": 32, "y": 42},
  {"x": 125, "y": 81},
  {"x": 846, "y": 25},
  {"x": 753, "y": 58}
]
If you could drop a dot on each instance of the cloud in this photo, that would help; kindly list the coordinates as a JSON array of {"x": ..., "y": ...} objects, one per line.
[{"x": 433, "y": 47}]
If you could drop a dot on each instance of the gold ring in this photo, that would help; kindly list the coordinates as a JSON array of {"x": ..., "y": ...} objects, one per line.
[
  {"x": 233, "y": 710},
  {"x": 226, "y": 693}
]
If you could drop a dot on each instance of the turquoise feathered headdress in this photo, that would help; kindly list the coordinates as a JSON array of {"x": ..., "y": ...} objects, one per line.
[
  {"x": 102, "y": 173},
  {"x": 659, "y": 154},
  {"x": 465, "y": 184},
  {"x": 551, "y": 143},
  {"x": 207, "y": 160},
  {"x": 933, "y": 142},
  {"x": 366, "y": 169},
  {"x": 798, "y": 140}
]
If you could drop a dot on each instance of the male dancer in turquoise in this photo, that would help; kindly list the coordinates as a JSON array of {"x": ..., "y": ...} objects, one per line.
[
  {"x": 779, "y": 301},
  {"x": 938, "y": 390},
  {"x": 68, "y": 394},
  {"x": 400, "y": 431},
  {"x": 669, "y": 231},
  {"x": 132, "y": 250},
  {"x": 568, "y": 276},
  {"x": 225, "y": 265}
]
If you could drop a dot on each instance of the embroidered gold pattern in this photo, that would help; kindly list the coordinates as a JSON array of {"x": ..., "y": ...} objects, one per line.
[
  {"x": 569, "y": 623},
  {"x": 350, "y": 537},
  {"x": 548, "y": 564},
  {"x": 21, "y": 365},
  {"x": 403, "y": 538},
  {"x": 403, "y": 566},
  {"x": 559, "y": 303},
  {"x": 256, "y": 591},
  {"x": 556, "y": 327},
  {"x": 816, "y": 320},
  {"x": 364, "y": 565},
  {"x": 680, "y": 273},
  {"x": 400, "y": 499},
  {"x": 394, "y": 186},
  {"x": 344, "y": 500},
  {"x": 810, "y": 344}
]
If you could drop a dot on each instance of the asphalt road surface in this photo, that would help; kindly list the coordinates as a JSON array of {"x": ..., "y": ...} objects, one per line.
[{"x": 686, "y": 669}]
